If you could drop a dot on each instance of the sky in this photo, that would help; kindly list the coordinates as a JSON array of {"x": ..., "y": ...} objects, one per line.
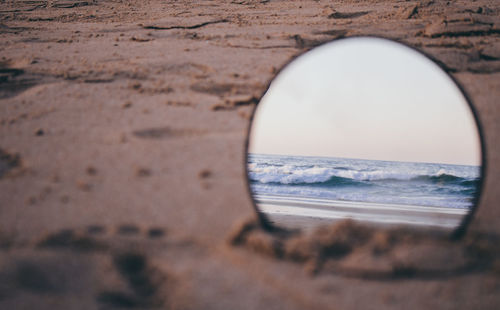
[{"x": 366, "y": 98}]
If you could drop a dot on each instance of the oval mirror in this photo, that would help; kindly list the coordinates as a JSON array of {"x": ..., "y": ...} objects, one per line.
[{"x": 367, "y": 129}]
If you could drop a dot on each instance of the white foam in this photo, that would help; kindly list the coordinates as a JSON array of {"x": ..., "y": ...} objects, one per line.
[{"x": 289, "y": 174}]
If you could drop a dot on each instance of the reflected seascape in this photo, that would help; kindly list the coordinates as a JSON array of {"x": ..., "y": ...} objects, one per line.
[
  {"x": 367, "y": 129},
  {"x": 285, "y": 185}
]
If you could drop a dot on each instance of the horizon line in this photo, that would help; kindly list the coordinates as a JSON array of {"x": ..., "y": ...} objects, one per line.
[{"x": 401, "y": 161}]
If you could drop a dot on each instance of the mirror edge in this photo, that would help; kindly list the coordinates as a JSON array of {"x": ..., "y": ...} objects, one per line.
[{"x": 458, "y": 232}]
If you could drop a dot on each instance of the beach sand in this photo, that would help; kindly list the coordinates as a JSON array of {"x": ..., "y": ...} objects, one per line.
[
  {"x": 122, "y": 137},
  {"x": 306, "y": 213}
]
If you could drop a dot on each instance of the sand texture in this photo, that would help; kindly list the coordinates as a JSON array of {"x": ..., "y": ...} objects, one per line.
[
  {"x": 282, "y": 211},
  {"x": 122, "y": 136}
]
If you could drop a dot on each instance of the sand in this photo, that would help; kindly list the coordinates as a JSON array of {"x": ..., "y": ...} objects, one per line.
[
  {"x": 122, "y": 137},
  {"x": 283, "y": 211}
]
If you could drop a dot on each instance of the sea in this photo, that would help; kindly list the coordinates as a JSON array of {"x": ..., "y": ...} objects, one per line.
[{"x": 319, "y": 180}]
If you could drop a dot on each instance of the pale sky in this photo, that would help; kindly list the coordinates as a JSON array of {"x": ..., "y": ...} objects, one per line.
[{"x": 366, "y": 98}]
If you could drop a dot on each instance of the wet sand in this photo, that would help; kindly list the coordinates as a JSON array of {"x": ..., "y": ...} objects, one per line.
[
  {"x": 122, "y": 136},
  {"x": 283, "y": 210}
]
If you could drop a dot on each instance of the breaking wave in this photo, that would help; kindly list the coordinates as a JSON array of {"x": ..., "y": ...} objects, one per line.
[
  {"x": 288, "y": 174},
  {"x": 425, "y": 184}
]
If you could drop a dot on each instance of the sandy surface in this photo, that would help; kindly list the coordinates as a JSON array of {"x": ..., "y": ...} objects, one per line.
[
  {"x": 122, "y": 135},
  {"x": 282, "y": 211}
]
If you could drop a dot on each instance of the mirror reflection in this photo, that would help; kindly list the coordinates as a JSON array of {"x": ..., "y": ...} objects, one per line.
[{"x": 367, "y": 129}]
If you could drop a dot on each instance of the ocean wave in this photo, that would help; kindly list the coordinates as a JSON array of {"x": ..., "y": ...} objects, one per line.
[
  {"x": 440, "y": 178},
  {"x": 449, "y": 179},
  {"x": 289, "y": 174},
  {"x": 422, "y": 184},
  {"x": 330, "y": 182}
]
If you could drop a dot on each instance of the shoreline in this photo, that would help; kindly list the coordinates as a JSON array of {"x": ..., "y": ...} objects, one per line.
[{"x": 305, "y": 212}]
